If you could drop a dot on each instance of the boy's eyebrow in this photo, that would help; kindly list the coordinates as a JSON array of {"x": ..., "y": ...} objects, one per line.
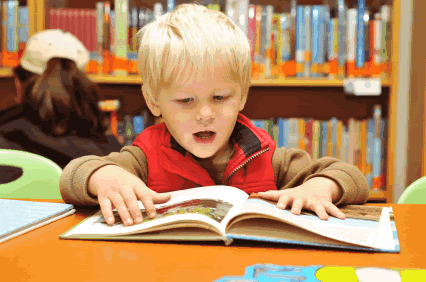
[{"x": 224, "y": 87}]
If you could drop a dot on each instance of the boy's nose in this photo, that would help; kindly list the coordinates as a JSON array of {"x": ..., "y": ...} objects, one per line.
[{"x": 205, "y": 113}]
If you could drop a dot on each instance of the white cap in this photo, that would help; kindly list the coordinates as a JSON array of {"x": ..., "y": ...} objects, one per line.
[{"x": 53, "y": 43}]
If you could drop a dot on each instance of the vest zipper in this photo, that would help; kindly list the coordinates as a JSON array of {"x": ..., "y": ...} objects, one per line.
[{"x": 244, "y": 164}]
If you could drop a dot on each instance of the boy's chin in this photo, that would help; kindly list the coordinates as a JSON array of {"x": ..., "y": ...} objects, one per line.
[{"x": 203, "y": 154}]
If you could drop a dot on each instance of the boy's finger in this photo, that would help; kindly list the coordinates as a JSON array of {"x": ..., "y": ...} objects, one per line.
[
  {"x": 333, "y": 210},
  {"x": 271, "y": 195},
  {"x": 106, "y": 208},
  {"x": 132, "y": 204},
  {"x": 283, "y": 202},
  {"x": 319, "y": 209},
  {"x": 297, "y": 206},
  {"x": 149, "y": 205},
  {"x": 122, "y": 210},
  {"x": 160, "y": 198}
]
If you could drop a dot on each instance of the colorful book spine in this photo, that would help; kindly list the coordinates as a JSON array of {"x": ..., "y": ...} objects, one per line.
[
  {"x": 274, "y": 44},
  {"x": 351, "y": 141},
  {"x": 377, "y": 114},
  {"x": 363, "y": 146},
  {"x": 339, "y": 139},
  {"x": 334, "y": 137},
  {"x": 11, "y": 59},
  {"x": 3, "y": 7},
  {"x": 242, "y": 15},
  {"x": 308, "y": 41},
  {"x": 299, "y": 41},
  {"x": 342, "y": 29},
  {"x": 231, "y": 10},
  {"x": 137, "y": 125},
  {"x": 315, "y": 40},
  {"x": 315, "y": 139},
  {"x": 367, "y": 35},
  {"x": 293, "y": 133},
  {"x": 351, "y": 42},
  {"x": 275, "y": 133},
  {"x": 386, "y": 36},
  {"x": 106, "y": 39},
  {"x": 268, "y": 41},
  {"x": 121, "y": 37},
  {"x": 322, "y": 41},
  {"x": 370, "y": 152},
  {"x": 251, "y": 29},
  {"x": 171, "y": 6},
  {"x": 301, "y": 138},
  {"x": 100, "y": 34},
  {"x": 333, "y": 48},
  {"x": 360, "y": 56},
  {"x": 326, "y": 26},
  {"x": 257, "y": 70},
  {"x": 309, "y": 135},
  {"x": 330, "y": 138},
  {"x": 383, "y": 155},
  {"x": 324, "y": 135},
  {"x": 158, "y": 10},
  {"x": 285, "y": 38},
  {"x": 23, "y": 29},
  {"x": 377, "y": 39}
]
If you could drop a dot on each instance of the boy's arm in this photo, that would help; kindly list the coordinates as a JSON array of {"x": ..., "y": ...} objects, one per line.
[
  {"x": 75, "y": 177},
  {"x": 294, "y": 167}
]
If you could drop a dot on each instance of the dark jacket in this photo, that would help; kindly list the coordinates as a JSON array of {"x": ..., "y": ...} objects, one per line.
[{"x": 21, "y": 129}]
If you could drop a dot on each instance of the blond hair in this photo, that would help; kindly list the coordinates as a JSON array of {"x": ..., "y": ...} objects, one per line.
[{"x": 191, "y": 41}]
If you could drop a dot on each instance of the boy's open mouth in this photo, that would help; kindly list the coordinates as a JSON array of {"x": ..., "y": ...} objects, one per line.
[{"x": 204, "y": 136}]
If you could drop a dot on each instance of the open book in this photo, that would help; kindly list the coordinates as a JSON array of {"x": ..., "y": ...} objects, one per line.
[{"x": 227, "y": 213}]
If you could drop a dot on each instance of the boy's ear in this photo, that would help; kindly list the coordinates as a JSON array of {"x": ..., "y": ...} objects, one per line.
[
  {"x": 243, "y": 101},
  {"x": 155, "y": 110}
]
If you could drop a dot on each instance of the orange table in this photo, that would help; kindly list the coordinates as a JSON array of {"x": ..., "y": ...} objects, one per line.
[{"x": 41, "y": 256}]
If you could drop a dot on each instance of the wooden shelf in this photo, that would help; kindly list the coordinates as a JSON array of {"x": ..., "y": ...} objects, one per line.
[{"x": 287, "y": 82}]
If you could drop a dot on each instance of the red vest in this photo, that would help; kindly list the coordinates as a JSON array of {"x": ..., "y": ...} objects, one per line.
[{"x": 171, "y": 167}]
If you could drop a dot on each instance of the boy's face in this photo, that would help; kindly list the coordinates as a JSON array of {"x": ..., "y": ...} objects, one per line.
[{"x": 201, "y": 115}]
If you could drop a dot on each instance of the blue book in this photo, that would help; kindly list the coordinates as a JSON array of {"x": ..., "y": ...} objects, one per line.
[
  {"x": 322, "y": 37},
  {"x": 341, "y": 31},
  {"x": 327, "y": 20},
  {"x": 270, "y": 225},
  {"x": 12, "y": 26},
  {"x": 170, "y": 5},
  {"x": 137, "y": 124},
  {"x": 334, "y": 136},
  {"x": 300, "y": 31},
  {"x": 282, "y": 132},
  {"x": 360, "y": 55},
  {"x": 272, "y": 272},
  {"x": 23, "y": 24},
  {"x": 370, "y": 151},
  {"x": 315, "y": 36},
  {"x": 18, "y": 217},
  {"x": 324, "y": 133}
]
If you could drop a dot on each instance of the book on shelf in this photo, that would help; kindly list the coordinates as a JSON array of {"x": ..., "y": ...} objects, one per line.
[
  {"x": 224, "y": 213},
  {"x": 19, "y": 217}
]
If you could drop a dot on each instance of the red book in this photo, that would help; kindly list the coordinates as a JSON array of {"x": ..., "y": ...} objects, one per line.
[
  {"x": 74, "y": 23},
  {"x": 60, "y": 18},
  {"x": 68, "y": 19},
  {"x": 308, "y": 136},
  {"x": 53, "y": 14},
  {"x": 252, "y": 28}
]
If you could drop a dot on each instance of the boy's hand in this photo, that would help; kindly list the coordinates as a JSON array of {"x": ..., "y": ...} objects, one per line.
[
  {"x": 316, "y": 194},
  {"x": 116, "y": 187}
]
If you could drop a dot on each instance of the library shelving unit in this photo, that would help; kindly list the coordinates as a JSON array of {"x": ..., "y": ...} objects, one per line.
[{"x": 285, "y": 97}]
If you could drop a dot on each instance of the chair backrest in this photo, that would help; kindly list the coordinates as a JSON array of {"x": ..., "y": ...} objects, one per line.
[
  {"x": 39, "y": 180},
  {"x": 415, "y": 193}
]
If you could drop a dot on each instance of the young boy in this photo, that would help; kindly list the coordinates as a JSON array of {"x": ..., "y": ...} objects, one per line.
[{"x": 196, "y": 70}]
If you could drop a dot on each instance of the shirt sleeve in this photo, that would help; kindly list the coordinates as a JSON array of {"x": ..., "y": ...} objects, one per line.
[
  {"x": 293, "y": 167},
  {"x": 75, "y": 177}
]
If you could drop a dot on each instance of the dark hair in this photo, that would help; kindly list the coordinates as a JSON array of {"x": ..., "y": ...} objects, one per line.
[{"x": 65, "y": 98}]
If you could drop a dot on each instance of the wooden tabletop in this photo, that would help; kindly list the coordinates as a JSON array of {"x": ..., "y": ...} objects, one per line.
[{"x": 41, "y": 256}]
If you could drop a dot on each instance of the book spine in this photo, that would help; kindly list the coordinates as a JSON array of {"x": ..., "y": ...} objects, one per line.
[
  {"x": 251, "y": 30},
  {"x": 280, "y": 123},
  {"x": 275, "y": 131},
  {"x": 257, "y": 71},
  {"x": 324, "y": 135},
  {"x": 367, "y": 36},
  {"x": 268, "y": 41},
  {"x": 325, "y": 70},
  {"x": 293, "y": 133},
  {"x": 171, "y": 5},
  {"x": 285, "y": 38},
  {"x": 308, "y": 135},
  {"x": 137, "y": 124},
  {"x": 351, "y": 141},
  {"x": 363, "y": 147},
  {"x": 315, "y": 40},
  {"x": 75, "y": 30},
  {"x": 351, "y": 46},
  {"x": 23, "y": 29},
  {"x": 106, "y": 39},
  {"x": 342, "y": 37},
  {"x": 377, "y": 113},
  {"x": 329, "y": 139},
  {"x": 1, "y": 33},
  {"x": 332, "y": 48},
  {"x": 242, "y": 15},
  {"x": 274, "y": 44},
  {"x": 158, "y": 10},
  {"x": 301, "y": 137},
  {"x": 231, "y": 10},
  {"x": 385, "y": 15},
  {"x": 12, "y": 34},
  {"x": 121, "y": 36},
  {"x": 299, "y": 41},
  {"x": 334, "y": 137},
  {"x": 52, "y": 19},
  {"x": 383, "y": 155},
  {"x": 319, "y": 151},
  {"x": 360, "y": 56},
  {"x": 315, "y": 139},
  {"x": 308, "y": 41},
  {"x": 286, "y": 133},
  {"x": 322, "y": 41},
  {"x": 99, "y": 33},
  {"x": 377, "y": 58},
  {"x": 370, "y": 152},
  {"x": 339, "y": 139}
]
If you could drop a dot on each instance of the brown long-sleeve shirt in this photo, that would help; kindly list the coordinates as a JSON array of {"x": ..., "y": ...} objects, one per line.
[{"x": 291, "y": 168}]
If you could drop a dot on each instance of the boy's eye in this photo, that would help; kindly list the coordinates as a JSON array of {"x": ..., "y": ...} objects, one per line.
[
  {"x": 185, "y": 101},
  {"x": 221, "y": 98}
]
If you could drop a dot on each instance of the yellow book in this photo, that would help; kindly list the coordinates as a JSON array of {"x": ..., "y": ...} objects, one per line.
[
  {"x": 363, "y": 144},
  {"x": 315, "y": 139},
  {"x": 301, "y": 134},
  {"x": 330, "y": 139},
  {"x": 339, "y": 139}
]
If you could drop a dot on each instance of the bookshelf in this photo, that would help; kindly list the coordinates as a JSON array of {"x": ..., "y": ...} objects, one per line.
[{"x": 285, "y": 97}]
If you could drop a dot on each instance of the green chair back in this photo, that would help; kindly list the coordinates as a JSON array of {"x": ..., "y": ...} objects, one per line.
[
  {"x": 39, "y": 180},
  {"x": 415, "y": 193}
]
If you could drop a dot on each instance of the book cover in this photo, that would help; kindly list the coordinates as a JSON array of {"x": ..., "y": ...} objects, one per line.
[
  {"x": 231, "y": 10},
  {"x": 274, "y": 45},
  {"x": 326, "y": 26},
  {"x": 333, "y": 48},
  {"x": 344, "y": 153},
  {"x": 386, "y": 38},
  {"x": 19, "y": 217}
]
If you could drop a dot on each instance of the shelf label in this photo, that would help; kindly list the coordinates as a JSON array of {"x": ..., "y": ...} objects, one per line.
[{"x": 363, "y": 86}]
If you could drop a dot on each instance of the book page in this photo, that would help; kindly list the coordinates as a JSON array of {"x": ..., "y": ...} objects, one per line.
[
  {"x": 353, "y": 229},
  {"x": 206, "y": 205}
]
